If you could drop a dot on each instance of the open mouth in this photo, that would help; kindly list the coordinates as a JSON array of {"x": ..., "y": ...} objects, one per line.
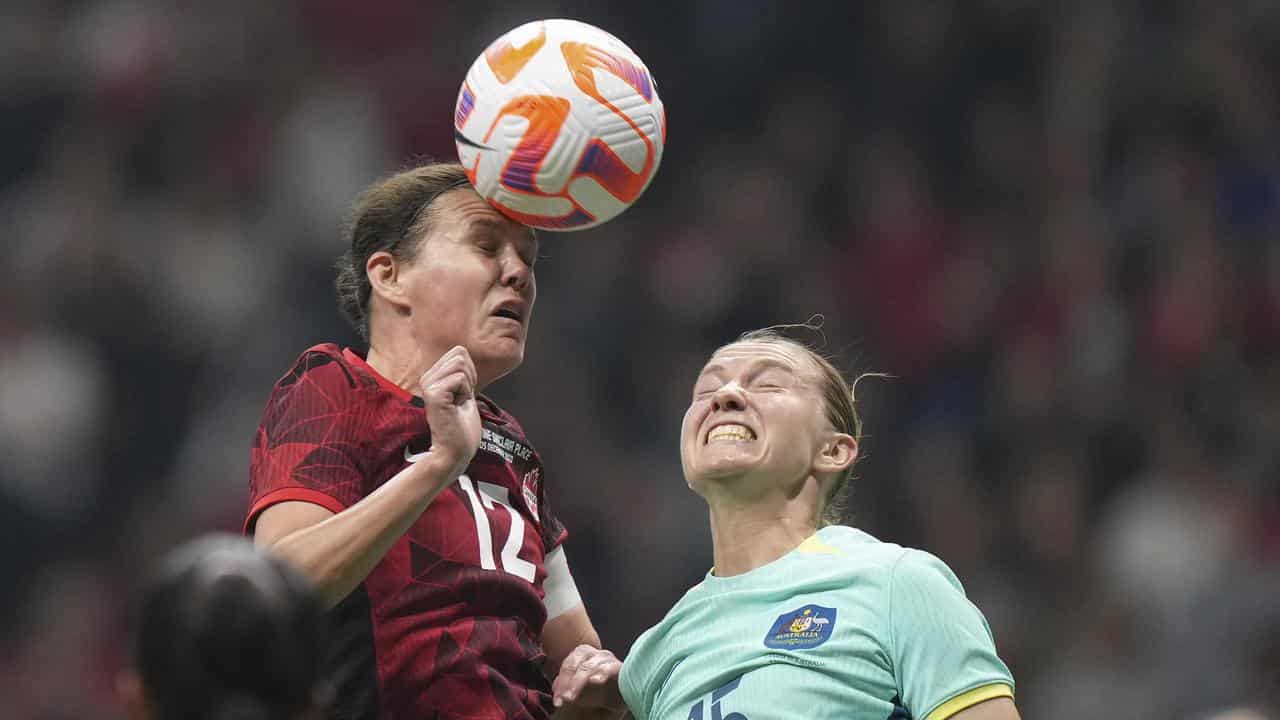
[
  {"x": 509, "y": 313},
  {"x": 730, "y": 432}
]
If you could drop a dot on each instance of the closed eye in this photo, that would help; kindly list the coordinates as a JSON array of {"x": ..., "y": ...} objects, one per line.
[
  {"x": 529, "y": 248},
  {"x": 772, "y": 379},
  {"x": 704, "y": 389}
]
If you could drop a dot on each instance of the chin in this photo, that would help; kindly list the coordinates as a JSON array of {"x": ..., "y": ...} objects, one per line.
[
  {"x": 494, "y": 366},
  {"x": 725, "y": 469},
  {"x": 723, "y": 480}
]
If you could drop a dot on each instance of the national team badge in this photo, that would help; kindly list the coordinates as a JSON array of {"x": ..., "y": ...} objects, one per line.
[
  {"x": 801, "y": 629},
  {"x": 529, "y": 489}
]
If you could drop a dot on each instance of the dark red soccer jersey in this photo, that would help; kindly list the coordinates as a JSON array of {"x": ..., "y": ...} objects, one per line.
[{"x": 448, "y": 623}]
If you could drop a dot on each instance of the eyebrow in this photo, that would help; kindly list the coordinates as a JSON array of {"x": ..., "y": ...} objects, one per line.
[
  {"x": 527, "y": 235},
  {"x": 754, "y": 366},
  {"x": 499, "y": 222}
]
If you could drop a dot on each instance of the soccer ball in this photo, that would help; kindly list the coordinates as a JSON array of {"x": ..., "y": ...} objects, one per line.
[{"x": 559, "y": 125}]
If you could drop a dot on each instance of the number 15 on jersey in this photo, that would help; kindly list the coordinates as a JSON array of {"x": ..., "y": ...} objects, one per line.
[{"x": 695, "y": 712}]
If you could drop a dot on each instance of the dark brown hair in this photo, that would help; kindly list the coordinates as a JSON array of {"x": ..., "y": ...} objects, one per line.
[{"x": 392, "y": 215}]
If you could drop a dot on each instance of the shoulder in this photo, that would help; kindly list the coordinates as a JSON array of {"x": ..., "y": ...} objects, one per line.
[
  {"x": 319, "y": 380},
  {"x": 854, "y": 563},
  {"x": 856, "y": 543},
  {"x": 924, "y": 593},
  {"x": 921, "y": 571},
  {"x": 852, "y": 551},
  {"x": 894, "y": 567},
  {"x": 325, "y": 364},
  {"x": 494, "y": 412},
  {"x": 507, "y": 426}
]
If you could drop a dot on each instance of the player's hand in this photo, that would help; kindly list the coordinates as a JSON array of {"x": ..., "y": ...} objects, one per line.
[
  {"x": 588, "y": 677},
  {"x": 449, "y": 389}
]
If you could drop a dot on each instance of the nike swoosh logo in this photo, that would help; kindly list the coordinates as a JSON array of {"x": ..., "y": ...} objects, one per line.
[
  {"x": 463, "y": 139},
  {"x": 411, "y": 457}
]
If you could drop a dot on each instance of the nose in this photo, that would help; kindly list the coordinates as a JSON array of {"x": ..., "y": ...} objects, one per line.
[
  {"x": 728, "y": 398},
  {"x": 516, "y": 273}
]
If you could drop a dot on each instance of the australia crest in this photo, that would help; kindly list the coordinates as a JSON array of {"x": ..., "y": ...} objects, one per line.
[{"x": 803, "y": 628}]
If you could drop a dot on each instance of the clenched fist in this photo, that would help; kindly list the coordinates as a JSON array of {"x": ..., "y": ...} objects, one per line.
[{"x": 449, "y": 389}]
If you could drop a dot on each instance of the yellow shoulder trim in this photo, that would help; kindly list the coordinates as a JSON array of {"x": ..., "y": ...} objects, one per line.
[
  {"x": 814, "y": 545},
  {"x": 967, "y": 700}
]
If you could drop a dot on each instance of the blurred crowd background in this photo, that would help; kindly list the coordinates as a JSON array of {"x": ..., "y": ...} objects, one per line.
[{"x": 1056, "y": 224}]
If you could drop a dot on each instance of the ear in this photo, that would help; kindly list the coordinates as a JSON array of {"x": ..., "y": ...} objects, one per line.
[
  {"x": 132, "y": 694},
  {"x": 383, "y": 271},
  {"x": 837, "y": 454}
]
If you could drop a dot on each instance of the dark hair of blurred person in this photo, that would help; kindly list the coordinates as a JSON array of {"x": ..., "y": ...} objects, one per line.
[{"x": 226, "y": 632}]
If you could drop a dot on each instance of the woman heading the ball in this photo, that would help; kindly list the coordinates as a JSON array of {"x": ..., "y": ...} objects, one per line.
[
  {"x": 802, "y": 616},
  {"x": 415, "y": 504}
]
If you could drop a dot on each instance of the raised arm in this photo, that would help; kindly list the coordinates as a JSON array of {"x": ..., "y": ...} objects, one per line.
[
  {"x": 585, "y": 677},
  {"x": 338, "y": 550}
]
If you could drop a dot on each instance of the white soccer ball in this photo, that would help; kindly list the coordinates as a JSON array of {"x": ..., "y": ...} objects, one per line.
[{"x": 559, "y": 125}]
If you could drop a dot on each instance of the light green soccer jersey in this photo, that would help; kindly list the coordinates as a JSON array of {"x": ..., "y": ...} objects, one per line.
[{"x": 844, "y": 626}]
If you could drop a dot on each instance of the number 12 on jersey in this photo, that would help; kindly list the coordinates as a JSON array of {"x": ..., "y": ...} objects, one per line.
[{"x": 485, "y": 499}]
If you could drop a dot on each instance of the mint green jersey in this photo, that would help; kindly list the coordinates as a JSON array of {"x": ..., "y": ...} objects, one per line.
[{"x": 844, "y": 626}]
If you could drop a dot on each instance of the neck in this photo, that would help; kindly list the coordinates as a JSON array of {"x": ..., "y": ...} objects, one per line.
[
  {"x": 401, "y": 360},
  {"x": 747, "y": 536}
]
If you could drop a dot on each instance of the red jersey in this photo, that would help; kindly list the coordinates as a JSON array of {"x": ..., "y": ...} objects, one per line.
[{"x": 448, "y": 624}]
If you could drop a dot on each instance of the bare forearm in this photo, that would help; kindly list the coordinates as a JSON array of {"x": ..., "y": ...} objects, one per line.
[
  {"x": 338, "y": 553},
  {"x": 565, "y": 632},
  {"x": 586, "y": 682}
]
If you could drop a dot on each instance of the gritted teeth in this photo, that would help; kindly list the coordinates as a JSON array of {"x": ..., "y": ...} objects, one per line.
[{"x": 731, "y": 431}]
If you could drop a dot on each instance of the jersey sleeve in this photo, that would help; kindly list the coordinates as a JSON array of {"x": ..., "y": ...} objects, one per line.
[
  {"x": 632, "y": 680},
  {"x": 553, "y": 531},
  {"x": 307, "y": 447},
  {"x": 943, "y": 653}
]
